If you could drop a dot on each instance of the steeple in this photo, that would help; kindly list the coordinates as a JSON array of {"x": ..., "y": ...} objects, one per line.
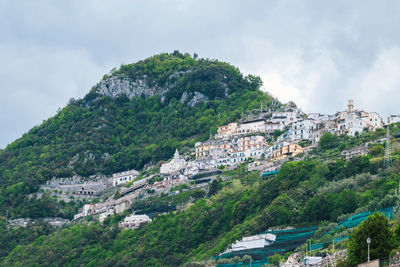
[{"x": 176, "y": 155}]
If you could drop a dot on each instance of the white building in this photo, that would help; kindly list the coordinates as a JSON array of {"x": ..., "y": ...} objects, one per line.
[
  {"x": 255, "y": 126},
  {"x": 355, "y": 121},
  {"x": 238, "y": 157},
  {"x": 270, "y": 127},
  {"x": 372, "y": 120},
  {"x": 286, "y": 117},
  {"x": 252, "y": 142},
  {"x": 176, "y": 164},
  {"x": 255, "y": 241},
  {"x": 301, "y": 130},
  {"x": 124, "y": 177},
  {"x": 393, "y": 119},
  {"x": 105, "y": 215},
  {"x": 246, "y": 127},
  {"x": 134, "y": 221}
]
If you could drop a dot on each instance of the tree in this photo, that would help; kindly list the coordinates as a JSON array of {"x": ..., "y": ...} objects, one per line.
[
  {"x": 275, "y": 259},
  {"x": 377, "y": 151},
  {"x": 328, "y": 141},
  {"x": 377, "y": 228},
  {"x": 213, "y": 187}
]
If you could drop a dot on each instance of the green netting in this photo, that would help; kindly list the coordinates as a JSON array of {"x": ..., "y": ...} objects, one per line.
[
  {"x": 355, "y": 220},
  {"x": 240, "y": 264},
  {"x": 284, "y": 238},
  {"x": 226, "y": 255},
  {"x": 341, "y": 238},
  {"x": 306, "y": 229},
  {"x": 316, "y": 246},
  {"x": 266, "y": 174}
]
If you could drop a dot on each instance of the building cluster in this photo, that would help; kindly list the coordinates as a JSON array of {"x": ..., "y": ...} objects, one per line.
[
  {"x": 232, "y": 151},
  {"x": 113, "y": 206},
  {"x": 235, "y": 144},
  {"x": 312, "y": 126}
]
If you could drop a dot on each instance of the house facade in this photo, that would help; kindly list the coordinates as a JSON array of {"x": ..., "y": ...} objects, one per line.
[
  {"x": 134, "y": 221},
  {"x": 124, "y": 177},
  {"x": 285, "y": 151}
]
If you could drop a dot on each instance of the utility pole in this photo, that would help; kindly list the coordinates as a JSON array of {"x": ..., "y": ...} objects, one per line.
[
  {"x": 388, "y": 153},
  {"x": 306, "y": 249},
  {"x": 399, "y": 188}
]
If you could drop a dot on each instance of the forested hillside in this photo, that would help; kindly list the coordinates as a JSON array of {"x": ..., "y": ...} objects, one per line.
[
  {"x": 138, "y": 115},
  {"x": 173, "y": 101},
  {"x": 310, "y": 192}
]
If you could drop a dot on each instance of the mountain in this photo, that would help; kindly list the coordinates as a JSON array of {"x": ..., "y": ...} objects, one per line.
[{"x": 136, "y": 115}]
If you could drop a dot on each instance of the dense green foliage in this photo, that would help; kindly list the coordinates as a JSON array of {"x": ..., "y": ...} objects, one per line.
[
  {"x": 99, "y": 134},
  {"x": 245, "y": 205},
  {"x": 328, "y": 140},
  {"x": 10, "y": 238},
  {"x": 377, "y": 228}
]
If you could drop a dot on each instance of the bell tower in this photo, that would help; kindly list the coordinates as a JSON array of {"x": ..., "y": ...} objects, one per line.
[{"x": 350, "y": 105}]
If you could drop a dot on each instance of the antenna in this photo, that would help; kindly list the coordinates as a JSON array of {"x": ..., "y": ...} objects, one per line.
[{"x": 388, "y": 153}]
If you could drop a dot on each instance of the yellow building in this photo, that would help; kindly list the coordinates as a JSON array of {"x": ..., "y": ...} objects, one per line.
[
  {"x": 290, "y": 150},
  {"x": 203, "y": 150}
]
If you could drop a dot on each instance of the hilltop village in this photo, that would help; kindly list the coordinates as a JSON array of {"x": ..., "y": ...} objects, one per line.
[{"x": 263, "y": 143}]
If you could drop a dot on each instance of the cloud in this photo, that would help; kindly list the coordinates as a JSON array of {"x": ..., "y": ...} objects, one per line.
[
  {"x": 378, "y": 86},
  {"x": 36, "y": 82},
  {"x": 316, "y": 53}
]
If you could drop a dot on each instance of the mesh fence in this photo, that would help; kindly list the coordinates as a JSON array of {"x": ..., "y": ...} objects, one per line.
[
  {"x": 352, "y": 222},
  {"x": 355, "y": 220},
  {"x": 290, "y": 239},
  {"x": 240, "y": 264},
  {"x": 286, "y": 240}
]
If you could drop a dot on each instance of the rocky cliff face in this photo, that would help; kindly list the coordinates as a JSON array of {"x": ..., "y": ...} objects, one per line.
[
  {"x": 115, "y": 86},
  {"x": 193, "y": 98}
]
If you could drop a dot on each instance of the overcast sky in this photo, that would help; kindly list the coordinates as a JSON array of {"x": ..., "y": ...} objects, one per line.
[{"x": 315, "y": 53}]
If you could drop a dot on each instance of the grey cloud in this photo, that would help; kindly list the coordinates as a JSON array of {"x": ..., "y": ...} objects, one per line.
[{"x": 316, "y": 53}]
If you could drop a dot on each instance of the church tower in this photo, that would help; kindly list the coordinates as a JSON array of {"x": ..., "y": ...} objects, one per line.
[
  {"x": 350, "y": 105},
  {"x": 176, "y": 155}
]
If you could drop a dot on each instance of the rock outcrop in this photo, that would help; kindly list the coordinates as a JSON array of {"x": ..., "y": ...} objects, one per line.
[
  {"x": 115, "y": 86},
  {"x": 198, "y": 97}
]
